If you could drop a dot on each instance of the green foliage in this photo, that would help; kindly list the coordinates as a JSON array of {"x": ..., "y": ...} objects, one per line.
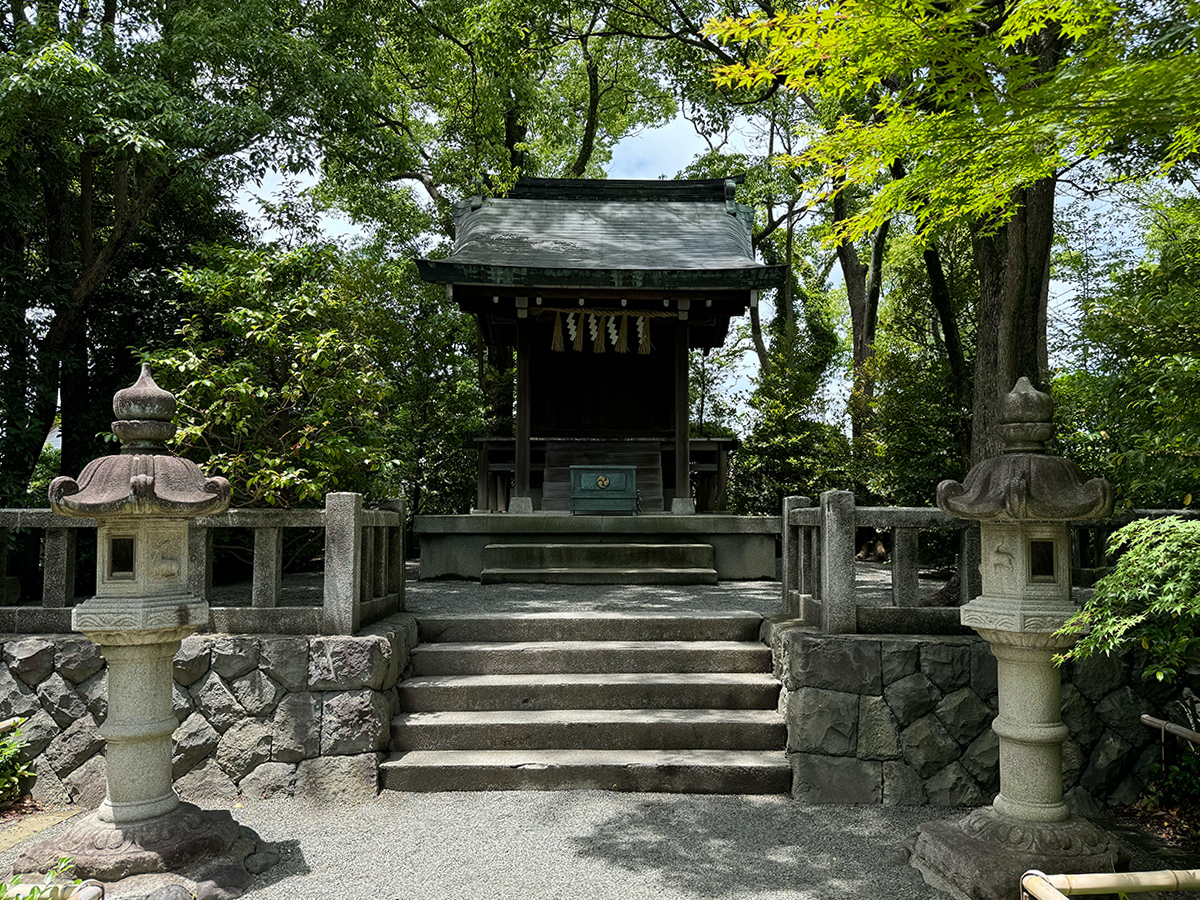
[
  {"x": 1175, "y": 785},
  {"x": 51, "y": 888},
  {"x": 14, "y": 768},
  {"x": 275, "y": 376},
  {"x": 976, "y": 101},
  {"x": 1129, "y": 408},
  {"x": 1150, "y": 599}
]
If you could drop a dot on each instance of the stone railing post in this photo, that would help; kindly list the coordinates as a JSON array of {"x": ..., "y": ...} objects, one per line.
[
  {"x": 200, "y": 557},
  {"x": 367, "y": 591},
  {"x": 343, "y": 562},
  {"x": 395, "y": 553},
  {"x": 838, "y": 612},
  {"x": 789, "y": 575},
  {"x": 268, "y": 567},
  {"x": 58, "y": 568},
  {"x": 905, "y": 586}
]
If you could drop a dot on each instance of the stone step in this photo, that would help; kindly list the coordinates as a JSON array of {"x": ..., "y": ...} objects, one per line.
[
  {"x": 676, "y": 771},
  {"x": 623, "y": 556},
  {"x": 599, "y": 576},
  {"x": 734, "y": 625},
  {"x": 641, "y": 690},
  {"x": 590, "y": 729},
  {"x": 534, "y": 657}
]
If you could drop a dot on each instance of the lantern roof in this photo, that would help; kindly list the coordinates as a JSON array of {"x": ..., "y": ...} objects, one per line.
[
  {"x": 144, "y": 479},
  {"x": 1024, "y": 483}
]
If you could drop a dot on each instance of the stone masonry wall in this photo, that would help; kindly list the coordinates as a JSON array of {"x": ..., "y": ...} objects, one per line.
[
  {"x": 906, "y": 720},
  {"x": 260, "y": 715}
]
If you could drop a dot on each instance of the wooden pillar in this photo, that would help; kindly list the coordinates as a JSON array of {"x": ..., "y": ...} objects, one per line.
[
  {"x": 683, "y": 487},
  {"x": 524, "y": 412}
]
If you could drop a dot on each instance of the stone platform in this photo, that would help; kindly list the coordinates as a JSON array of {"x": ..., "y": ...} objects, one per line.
[{"x": 743, "y": 547}]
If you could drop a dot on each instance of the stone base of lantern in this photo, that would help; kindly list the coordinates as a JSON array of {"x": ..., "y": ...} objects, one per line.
[
  {"x": 985, "y": 854},
  {"x": 109, "y": 852}
]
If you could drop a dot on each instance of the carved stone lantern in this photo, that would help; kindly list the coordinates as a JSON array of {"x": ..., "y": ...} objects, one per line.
[
  {"x": 142, "y": 500},
  {"x": 1024, "y": 501}
]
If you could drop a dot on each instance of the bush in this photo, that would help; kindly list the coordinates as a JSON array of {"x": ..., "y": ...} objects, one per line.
[
  {"x": 1151, "y": 598},
  {"x": 14, "y": 768}
]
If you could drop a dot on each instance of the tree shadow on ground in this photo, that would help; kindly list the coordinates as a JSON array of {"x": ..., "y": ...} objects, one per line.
[{"x": 744, "y": 846}]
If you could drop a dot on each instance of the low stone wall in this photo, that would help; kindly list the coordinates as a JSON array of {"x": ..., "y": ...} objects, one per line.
[
  {"x": 906, "y": 720},
  {"x": 262, "y": 716}
]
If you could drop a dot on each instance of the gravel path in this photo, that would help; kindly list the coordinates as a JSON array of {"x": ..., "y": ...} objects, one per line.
[{"x": 583, "y": 845}]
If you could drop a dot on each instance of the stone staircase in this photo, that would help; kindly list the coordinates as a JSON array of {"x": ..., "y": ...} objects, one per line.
[
  {"x": 609, "y": 701},
  {"x": 599, "y": 563}
]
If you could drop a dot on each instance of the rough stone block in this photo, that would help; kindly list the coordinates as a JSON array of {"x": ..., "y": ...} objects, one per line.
[
  {"x": 88, "y": 784},
  {"x": 878, "y": 734},
  {"x": 1082, "y": 722},
  {"x": 16, "y": 697},
  {"x": 48, "y": 790},
  {"x": 847, "y": 664},
  {"x": 824, "y": 722},
  {"x": 1073, "y": 760},
  {"x": 902, "y": 786},
  {"x": 348, "y": 663},
  {"x": 182, "y": 703},
  {"x": 1127, "y": 792},
  {"x": 206, "y": 784},
  {"x": 77, "y": 659},
  {"x": 269, "y": 780},
  {"x": 216, "y": 702},
  {"x": 258, "y": 692},
  {"x": 1106, "y": 765},
  {"x": 898, "y": 659},
  {"x": 953, "y": 786},
  {"x": 244, "y": 747},
  {"x": 192, "y": 659},
  {"x": 74, "y": 747},
  {"x": 58, "y": 698},
  {"x": 338, "y": 779},
  {"x": 354, "y": 722},
  {"x": 911, "y": 697},
  {"x": 1122, "y": 711},
  {"x": 30, "y": 659},
  {"x": 296, "y": 728},
  {"x": 233, "y": 657},
  {"x": 285, "y": 659},
  {"x": 984, "y": 679},
  {"x": 95, "y": 693},
  {"x": 982, "y": 760},
  {"x": 194, "y": 740},
  {"x": 836, "y": 779},
  {"x": 927, "y": 746},
  {"x": 963, "y": 715},
  {"x": 1098, "y": 675},
  {"x": 1080, "y": 802},
  {"x": 37, "y": 732},
  {"x": 948, "y": 665}
]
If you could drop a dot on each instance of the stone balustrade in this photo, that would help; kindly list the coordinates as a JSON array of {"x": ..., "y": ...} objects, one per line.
[
  {"x": 818, "y": 577},
  {"x": 363, "y": 576}
]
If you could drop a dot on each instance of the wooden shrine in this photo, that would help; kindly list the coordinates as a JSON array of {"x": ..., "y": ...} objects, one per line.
[{"x": 601, "y": 287}]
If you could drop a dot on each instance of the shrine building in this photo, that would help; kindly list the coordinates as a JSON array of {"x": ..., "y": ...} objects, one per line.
[{"x": 601, "y": 287}]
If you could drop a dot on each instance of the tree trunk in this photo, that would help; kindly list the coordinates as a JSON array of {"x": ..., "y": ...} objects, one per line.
[{"x": 1014, "y": 283}]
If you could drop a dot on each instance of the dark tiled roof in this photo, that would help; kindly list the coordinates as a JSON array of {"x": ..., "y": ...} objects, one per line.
[{"x": 552, "y": 232}]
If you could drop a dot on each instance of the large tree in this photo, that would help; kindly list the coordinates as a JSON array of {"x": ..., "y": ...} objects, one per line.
[
  {"x": 108, "y": 112},
  {"x": 982, "y": 107}
]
